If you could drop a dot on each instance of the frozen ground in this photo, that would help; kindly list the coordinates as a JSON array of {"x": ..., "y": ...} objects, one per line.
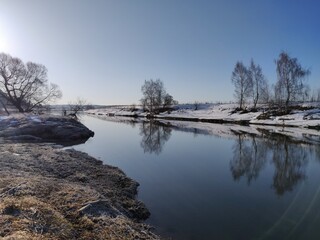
[{"x": 43, "y": 128}]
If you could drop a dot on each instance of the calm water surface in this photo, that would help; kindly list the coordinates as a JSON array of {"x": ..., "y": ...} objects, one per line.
[{"x": 199, "y": 186}]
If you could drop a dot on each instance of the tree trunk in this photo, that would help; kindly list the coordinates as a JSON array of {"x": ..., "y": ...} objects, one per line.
[
  {"x": 288, "y": 100},
  {"x": 5, "y": 107}
]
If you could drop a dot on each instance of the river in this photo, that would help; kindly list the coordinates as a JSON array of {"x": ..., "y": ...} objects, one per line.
[{"x": 226, "y": 183}]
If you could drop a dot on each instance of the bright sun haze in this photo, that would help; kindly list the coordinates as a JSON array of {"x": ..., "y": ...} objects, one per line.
[
  {"x": 3, "y": 45},
  {"x": 103, "y": 51}
]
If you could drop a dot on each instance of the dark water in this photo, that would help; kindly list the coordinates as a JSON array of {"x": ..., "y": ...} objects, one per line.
[{"x": 202, "y": 186}]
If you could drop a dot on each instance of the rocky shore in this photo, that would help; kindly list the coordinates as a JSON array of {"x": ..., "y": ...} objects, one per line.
[{"x": 50, "y": 193}]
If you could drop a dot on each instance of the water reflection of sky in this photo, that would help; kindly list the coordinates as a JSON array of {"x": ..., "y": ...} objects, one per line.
[{"x": 208, "y": 187}]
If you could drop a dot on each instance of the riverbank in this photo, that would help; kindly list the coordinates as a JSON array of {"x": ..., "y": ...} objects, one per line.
[
  {"x": 303, "y": 115},
  {"x": 48, "y": 192}
]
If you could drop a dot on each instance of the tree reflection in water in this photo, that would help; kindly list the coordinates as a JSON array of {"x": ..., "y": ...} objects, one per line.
[
  {"x": 249, "y": 158},
  {"x": 154, "y": 136},
  {"x": 317, "y": 151},
  {"x": 289, "y": 159},
  {"x": 251, "y": 152}
]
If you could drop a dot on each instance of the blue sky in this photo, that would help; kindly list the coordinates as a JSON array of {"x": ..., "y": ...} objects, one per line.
[{"x": 103, "y": 50}]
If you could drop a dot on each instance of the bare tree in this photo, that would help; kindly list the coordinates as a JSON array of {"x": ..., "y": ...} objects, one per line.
[
  {"x": 4, "y": 102},
  {"x": 77, "y": 106},
  {"x": 155, "y": 96},
  {"x": 242, "y": 83},
  {"x": 152, "y": 94},
  {"x": 265, "y": 94},
  {"x": 26, "y": 86},
  {"x": 291, "y": 76},
  {"x": 306, "y": 94},
  {"x": 168, "y": 101},
  {"x": 259, "y": 84},
  {"x": 315, "y": 96}
]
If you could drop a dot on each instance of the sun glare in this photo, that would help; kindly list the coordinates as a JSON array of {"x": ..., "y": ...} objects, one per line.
[{"x": 3, "y": 45}]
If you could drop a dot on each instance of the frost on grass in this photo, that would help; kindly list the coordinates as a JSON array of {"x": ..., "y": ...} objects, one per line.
[{"x": 49, "y": 193}]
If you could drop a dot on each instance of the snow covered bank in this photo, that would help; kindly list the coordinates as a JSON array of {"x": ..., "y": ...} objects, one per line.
[
  {"x": 232, "y": 131},
  {"x": 307, "y": 117}
]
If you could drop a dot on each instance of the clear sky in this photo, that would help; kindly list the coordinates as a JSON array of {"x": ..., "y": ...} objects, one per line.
[{"x": 103, "y": 50}]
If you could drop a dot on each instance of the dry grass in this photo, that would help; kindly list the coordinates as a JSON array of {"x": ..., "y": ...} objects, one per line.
[
  {"x": 28, "y": 215},
  {"x": 43, "y": 189}
]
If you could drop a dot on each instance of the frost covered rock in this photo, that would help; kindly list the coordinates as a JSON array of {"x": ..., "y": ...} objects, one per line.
[{"x": 56, "y": 129}]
